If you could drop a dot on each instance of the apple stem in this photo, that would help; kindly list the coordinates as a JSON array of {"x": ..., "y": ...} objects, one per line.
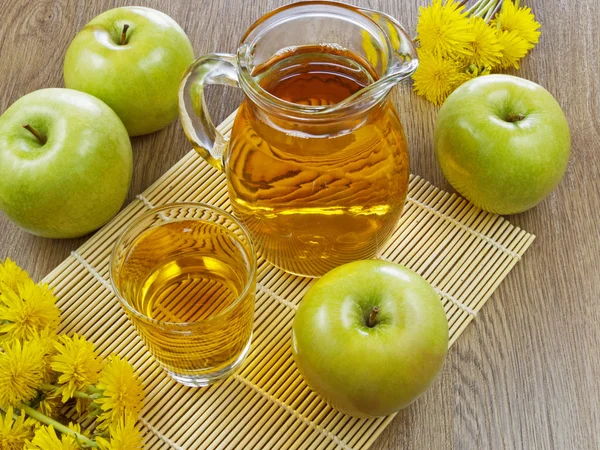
[
  {"x": 514, "y": 117},
  {"x": 373, "y": 317},
  {"x": 33, "y": 131},
  {"x": 124, "y": 35}
]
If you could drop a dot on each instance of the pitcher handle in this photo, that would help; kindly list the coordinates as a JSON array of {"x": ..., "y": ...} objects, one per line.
[{"x": 215, "y": 68}]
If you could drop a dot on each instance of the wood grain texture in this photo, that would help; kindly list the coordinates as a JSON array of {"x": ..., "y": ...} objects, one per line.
[{"x": 524, "y": 374}]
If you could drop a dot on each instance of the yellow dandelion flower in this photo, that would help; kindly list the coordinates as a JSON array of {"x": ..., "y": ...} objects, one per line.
[
  {"x": 47, "y": 340},
  {"x": 444, "y": 30},
  {"x": 122, "y": 391},
  {"x": 27, "y": 310},
  {"x": 34, "y": 424},
  {"x": 520, "y": 20},
  {"x": 46, "y": 439},
  {"x": 124, "y": 435},
  {"x": 12, "y": 275},
  {"x": 77, "y": 363},
  {"x": 75, "y": 427},
  {"x": 485, "y": 48},
  {"x": 474, "y": 71},
  {"x": 514, "y": 48},
  {"x": 82, "y": 405},
  {"x": 437, "y": 77},
  {"x": 21, "y": 372},
  {"x": 13, "y": 432},
  {"x": 50, "y": 405}
]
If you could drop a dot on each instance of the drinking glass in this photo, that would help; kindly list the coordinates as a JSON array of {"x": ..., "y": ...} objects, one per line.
[{"x": 185, "y": 274}]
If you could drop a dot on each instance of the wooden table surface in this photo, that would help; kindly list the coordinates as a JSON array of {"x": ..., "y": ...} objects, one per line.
[{"x": 525, "y": 374}]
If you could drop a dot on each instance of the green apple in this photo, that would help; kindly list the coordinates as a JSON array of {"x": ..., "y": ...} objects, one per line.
[
  {"x": 131, "y": 58},
  {"x": 370, "y": 337},
  {"x": 65, "y": 163},
  {"x": 502, "y": 142}
]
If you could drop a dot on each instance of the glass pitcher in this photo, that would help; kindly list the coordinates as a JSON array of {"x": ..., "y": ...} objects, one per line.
[{"x": 316, "y": 165}]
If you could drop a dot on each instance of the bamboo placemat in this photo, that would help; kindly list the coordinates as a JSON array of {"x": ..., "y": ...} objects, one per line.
[{"x": 464, "y": 252}]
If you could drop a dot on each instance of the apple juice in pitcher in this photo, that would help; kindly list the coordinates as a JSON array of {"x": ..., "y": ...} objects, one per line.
[
  {"x": 317, "y": 195},
  {"x": 316, "y": 165}
]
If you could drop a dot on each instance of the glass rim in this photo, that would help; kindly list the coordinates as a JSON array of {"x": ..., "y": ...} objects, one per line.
[{"x": 156, "y": 210}]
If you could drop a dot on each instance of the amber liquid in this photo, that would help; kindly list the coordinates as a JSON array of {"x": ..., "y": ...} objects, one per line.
[
  {"x": 189, "y": 272},
  {"x": 315, "y": 195}
]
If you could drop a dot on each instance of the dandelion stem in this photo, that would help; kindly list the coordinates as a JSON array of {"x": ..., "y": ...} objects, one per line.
[
  {"x": 79, "y": 394},
  {"x": 485, "y": 7},
  {"x": 492, "y": 12},
  {"x": 94, "y": 390},
  {"x": 48, "y": 387},
  {"x": 481, "y": 7},
  {"x": 57, "y": 425},
  {"x": 474, "y": 7},
  {"x": 76, "y": 394}
]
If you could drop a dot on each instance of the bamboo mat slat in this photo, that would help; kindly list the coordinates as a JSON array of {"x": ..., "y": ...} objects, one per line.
[{"x": 464, "y": 252}]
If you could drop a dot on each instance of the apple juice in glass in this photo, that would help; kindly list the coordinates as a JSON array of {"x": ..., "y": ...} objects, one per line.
[
  {"x": 186, "y": 276},
  {"x": 317, "y": 164}
]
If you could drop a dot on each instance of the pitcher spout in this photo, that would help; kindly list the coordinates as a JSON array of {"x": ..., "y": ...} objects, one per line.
[
  {"x": 391, "y": 52},
  {"x": 403, "y": 59}
]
